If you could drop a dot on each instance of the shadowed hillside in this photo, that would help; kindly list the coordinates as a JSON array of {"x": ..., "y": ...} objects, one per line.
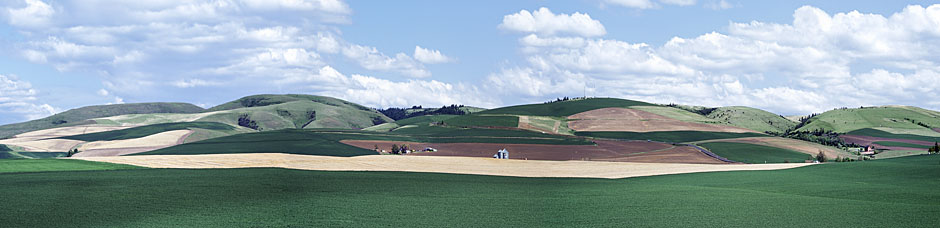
[{"x": 80, "y": 116}]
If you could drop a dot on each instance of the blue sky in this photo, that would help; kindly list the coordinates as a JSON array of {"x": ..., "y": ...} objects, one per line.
[{"x": 788, "y": 57}]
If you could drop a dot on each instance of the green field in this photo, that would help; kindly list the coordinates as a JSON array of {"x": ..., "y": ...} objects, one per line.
[
  {"x": 483, "y": 121},
  {"x": 846, "y": 120},
  {"x": 424, "y": 120},
  {"x": 326, "y": 141},
  {"x": 750, "y": 153},
  {"x": 901, "y": 144},
  {"x": 566, "y": 108},
  {"x": 280, "y": 141},
  {"x": 883, "y": 134},
  {"x": 143, "y": 131},
  {"x": 50, "y": 164},
  {"x": 667, "y": 136},
  {"x": 898, "y": 192},
  {"x": 16, "y": 153}
]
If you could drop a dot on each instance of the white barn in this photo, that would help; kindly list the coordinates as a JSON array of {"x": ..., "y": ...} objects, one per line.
[{"x": 502, "y": 154}]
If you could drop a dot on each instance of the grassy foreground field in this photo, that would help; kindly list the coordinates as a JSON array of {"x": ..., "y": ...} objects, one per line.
[
  {"x": 667, "y": 136},
  {"x": 754, "y": 154},
  {"x": 902, "y": 191}
]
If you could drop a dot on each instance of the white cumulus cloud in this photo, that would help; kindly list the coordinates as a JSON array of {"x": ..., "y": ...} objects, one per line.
[
  {"x": 817, "y": 62},
  {"x": 544, "y": 22},
  {"x": 679, "y": 2},
  {"x": 639, "y": 4},
  {"x": 18, "y": 98},
  {"x": 36, "y": 13},
  {"x": 430, "y": 56}
]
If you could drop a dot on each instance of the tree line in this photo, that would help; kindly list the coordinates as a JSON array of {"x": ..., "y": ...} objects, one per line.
[{"x": 402, "y": 113}]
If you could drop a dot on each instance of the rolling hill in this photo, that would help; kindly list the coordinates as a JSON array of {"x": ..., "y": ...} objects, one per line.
[
  {"x": 565, "y": 108},
  {"x": 81, "y": 116},
  {"x": 893, "y": 119},
  {"x": 272, "y": 112},
  {"x": 751, "y": 118}
]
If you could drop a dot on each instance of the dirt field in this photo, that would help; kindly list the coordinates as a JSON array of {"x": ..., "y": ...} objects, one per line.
[
  {"x": 868, "y": 140},
  {"x": 786, "y": 143},
  {"x": 41, "y": 141},
  {"x": 622, "y": 119},
  {"x": 528, "y": 122},
  {"x": 45, "y": 145},
  {"x": 132, "y": 146},
  {"x": 432, "y": 164},
  {"x": 606, "y": 150}
]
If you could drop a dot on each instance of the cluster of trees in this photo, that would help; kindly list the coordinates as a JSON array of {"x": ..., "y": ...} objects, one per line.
[
  {"x": 72, "y": 152},
  {"x": 244, "y": 121},
  {"x": 560, "y": 99},
  {"x": 827, "y": 137},
  {"x": 935, "y": 149},
  {"x": 922, "y": 124},
  {"x": 403, "y": 149},
  {"x": 402, "y": 113}
]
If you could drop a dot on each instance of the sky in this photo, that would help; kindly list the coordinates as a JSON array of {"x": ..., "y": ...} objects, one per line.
[{"x": 787, "y": 57}]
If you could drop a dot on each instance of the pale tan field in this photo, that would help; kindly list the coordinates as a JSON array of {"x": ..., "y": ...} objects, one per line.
[
  {"x": 42, "y": 140},
  {"x": 432, "y": 164},
  {"x": 164, "y": 139},
  {"x": 623, "y": 119},
  {"x": 147, "y": 119},
  {"x": 45, "y": 145}
]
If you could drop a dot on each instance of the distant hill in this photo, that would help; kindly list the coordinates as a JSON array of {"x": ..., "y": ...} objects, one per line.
[
  {"x": 751, "y": 118},
  {"x": 274, "y": 112},
  {"x": 894, "y": 119},
  {"x": 274, "y": 99},
  {"x": 81, "y": 115},
  {"x": 566, "y": 107}
]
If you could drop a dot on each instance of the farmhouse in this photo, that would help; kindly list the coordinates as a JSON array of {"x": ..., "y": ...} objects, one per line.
[
  {"x": 502, "y": 154},
  {"x": 868, "y": 150}
]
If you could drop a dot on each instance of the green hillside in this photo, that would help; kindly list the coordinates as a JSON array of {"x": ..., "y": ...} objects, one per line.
[
  {"x": 80, "y": 116},
  {"x": 272, "y": 112},
  {"x": 910, "y": 120},
  {"x": 273, "y": 99},
  {"x": 566, "y": 108},
  {"x": 899, "y": 192},
  {"x": 751, "y": 118},
  {"x": 417, "y": 121}
]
